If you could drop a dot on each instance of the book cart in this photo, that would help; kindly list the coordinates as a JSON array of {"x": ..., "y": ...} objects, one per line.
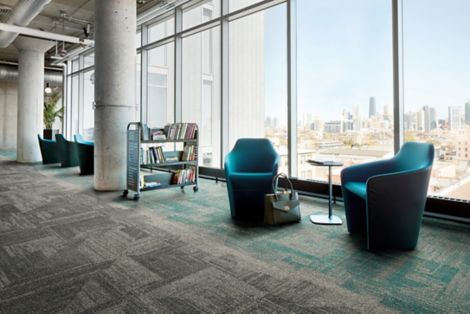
[{"x": 150, "y": 167}]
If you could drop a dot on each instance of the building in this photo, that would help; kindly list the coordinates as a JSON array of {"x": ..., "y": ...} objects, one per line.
[
  {"x": 467, "y": 112},
  {"x": 455, "y": 118},
  {"x": 372, "y": 107}
]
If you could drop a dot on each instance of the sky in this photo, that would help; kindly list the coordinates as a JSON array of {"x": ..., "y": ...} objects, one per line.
[{"x": 344, "y": 55}]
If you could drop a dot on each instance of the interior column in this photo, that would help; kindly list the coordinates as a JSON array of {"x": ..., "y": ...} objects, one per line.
[
  {"x": 30, "y": 97},
  {"x": 115, "y": 52}
]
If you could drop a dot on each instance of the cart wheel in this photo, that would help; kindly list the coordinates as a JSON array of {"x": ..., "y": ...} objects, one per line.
[
  {"x": 124, "y": 194},
  {"x": 136, "y": 197},
  {"x": 195, "y": 188}
]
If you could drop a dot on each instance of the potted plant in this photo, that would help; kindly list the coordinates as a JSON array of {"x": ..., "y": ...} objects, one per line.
[{"x": 51, "y": 113}]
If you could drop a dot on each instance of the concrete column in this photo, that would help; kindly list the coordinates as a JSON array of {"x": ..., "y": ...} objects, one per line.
[
  {"x": 114, "y": 89},
  {"x": 8, "y": 114},
  {"x": 30, "y": 96}
]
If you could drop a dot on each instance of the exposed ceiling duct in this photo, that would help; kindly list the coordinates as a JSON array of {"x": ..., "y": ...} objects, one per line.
[
  {"x": 10, "y": 73},
  {"x": 21, "y": 15}
]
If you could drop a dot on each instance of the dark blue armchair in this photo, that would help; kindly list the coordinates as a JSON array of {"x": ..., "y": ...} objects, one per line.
[
  {"x": 86, "y": 157},
  {"x": 386, "y": 199},
  {"x": 68, "y": 153},
  {"x": 249, "y": 170},
  {"x": 49, "y": 151}
]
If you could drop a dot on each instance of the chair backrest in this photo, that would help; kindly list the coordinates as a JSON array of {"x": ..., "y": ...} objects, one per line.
[
  {"x": 81, "y": 140},
  {"x": 414, "y": 156},
  {"x": 254, "y": 155}
]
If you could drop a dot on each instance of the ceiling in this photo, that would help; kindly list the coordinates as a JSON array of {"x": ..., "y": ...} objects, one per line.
[{"x": 67, "y": 17}]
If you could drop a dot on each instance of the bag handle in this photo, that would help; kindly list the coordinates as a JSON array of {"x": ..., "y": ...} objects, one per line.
[{"x": 276, "y": 182}]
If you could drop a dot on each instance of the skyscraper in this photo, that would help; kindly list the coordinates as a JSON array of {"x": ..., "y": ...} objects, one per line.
[
  {"x": 454, "y": 118},
  {"x": 429, "y": 118},
  {"x": 467, "y": 112},
  {"x": 372, "y": 107}
]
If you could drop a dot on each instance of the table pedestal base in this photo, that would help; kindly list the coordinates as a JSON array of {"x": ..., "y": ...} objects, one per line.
[{"x": 326, "y": 220}]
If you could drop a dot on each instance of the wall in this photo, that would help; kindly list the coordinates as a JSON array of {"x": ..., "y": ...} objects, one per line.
[{"x": 8, "y": 114}]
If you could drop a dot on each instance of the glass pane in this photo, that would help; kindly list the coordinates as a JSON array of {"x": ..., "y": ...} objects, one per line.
[
  {"x": 160, "y": 87},
  {"x": 88, "y": 99},
  {"x": 138, "y": 39},
  {"x": 240, "y": 4},
  {"x": 258, "y": 78},
  {"x": 89, "y": 60},
  {"x": 436, "y": 81},
  {"x": 75, "y": 105},
  {"x": 345, "y": 84},
  {"x": 200, "y": 13},
  {"x": 201, "y": 92},
  {"x": 138, "y": 66},
  {"x": 75, "y": 65},
  {"x": 161, "y": 29}
]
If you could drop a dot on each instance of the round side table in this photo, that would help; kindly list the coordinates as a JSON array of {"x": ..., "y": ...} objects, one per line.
[{"x": 329, "y": 219}]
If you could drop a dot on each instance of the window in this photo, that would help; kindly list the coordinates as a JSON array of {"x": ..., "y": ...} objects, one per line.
[
  {"x": 160, "y": 88},
  {"x": 201, "y": 91},
  {"x": 435, "y": 55},
  {"x": 200, "y": 12},
  {"x": 75, "y": 65},
  {"x": 161, "y": 29},
  {"x": 89, "y": 60},
  {"x": 88, "y": 103},
  {"x": 137, "y": 86},
  {"x": 235, "y": 5},
  {"x": 138, "y": 39},
  {"x": 345, "y": 83},
  {"x": 75, "y": 98},
  {"x": 258, "y": 78}
]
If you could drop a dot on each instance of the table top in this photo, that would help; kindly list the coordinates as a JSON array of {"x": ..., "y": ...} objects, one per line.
[{"x": 323, "y": 162}]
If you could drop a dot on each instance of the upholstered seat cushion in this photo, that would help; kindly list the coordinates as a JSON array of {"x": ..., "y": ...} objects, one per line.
[
  {"x": 251, "y": 180},
  {"x": 358, "y": 188}
]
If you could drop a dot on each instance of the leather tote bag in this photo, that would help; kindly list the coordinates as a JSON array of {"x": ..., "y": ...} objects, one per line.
[{"x": 283, "y": 205}]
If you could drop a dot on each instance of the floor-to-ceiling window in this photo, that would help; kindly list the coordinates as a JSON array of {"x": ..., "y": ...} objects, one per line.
[
  {"x": 201, "y": 90},
  {"x": 160, "y": 86},
  {"x": 258, "y": 78},
  {"x": 231, "y": 74},
  {"x": 88, "y": 104},
  {"x": 345, "y": 83},
  {"x": 436, "y": 88}
]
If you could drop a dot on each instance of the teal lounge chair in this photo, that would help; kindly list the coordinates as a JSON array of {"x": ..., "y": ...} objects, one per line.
[
  {"x": 85, "y": 154},
  {"x": 386, "y": 199},
  {"x": 68, "y": 152},
  {"x": 49, "y": 151},
  {"x": 249, "y": 170}
]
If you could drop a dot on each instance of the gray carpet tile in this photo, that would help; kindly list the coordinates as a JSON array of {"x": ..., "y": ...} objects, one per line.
[{"x": 66, "y": 248}]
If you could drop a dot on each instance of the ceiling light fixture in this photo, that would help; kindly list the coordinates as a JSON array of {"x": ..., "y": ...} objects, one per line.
[{"x": 47, "y": 90}]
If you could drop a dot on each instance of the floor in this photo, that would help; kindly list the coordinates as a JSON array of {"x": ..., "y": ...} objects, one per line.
[{"x": 65, "y": 247}]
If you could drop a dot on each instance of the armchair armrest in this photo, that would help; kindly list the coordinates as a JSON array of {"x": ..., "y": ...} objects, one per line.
[
  {"x": 363, "y": 172},
  {"x": 395, "y": 205}
]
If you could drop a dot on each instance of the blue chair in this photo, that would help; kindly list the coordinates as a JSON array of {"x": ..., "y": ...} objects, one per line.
[
  {"x": 68, "y": 153},
  {"x": 49, "y": 151},
  {"x": 85, "y": 154},
  {"x": 386, "y": 199},
  {"x": 249, "y": 170}
]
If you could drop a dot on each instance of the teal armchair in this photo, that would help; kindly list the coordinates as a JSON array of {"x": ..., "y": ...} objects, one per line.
[
  {"x": 85, "y": 154},
  {"x": 68, "y": 153},
  {"x": 49, "y": 151},
  {"x": 386, "y": 199},
  {"x": 249, "y": 170}
]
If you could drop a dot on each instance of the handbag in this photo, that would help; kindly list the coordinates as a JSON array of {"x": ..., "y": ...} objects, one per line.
[{"x": 283, "y": 205}]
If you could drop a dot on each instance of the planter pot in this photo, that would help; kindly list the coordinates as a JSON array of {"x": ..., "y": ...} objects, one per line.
[{"x": 50, "y": 133}]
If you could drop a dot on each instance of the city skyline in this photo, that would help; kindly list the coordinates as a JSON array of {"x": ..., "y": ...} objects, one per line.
[{"x": 342, "y": 62}]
